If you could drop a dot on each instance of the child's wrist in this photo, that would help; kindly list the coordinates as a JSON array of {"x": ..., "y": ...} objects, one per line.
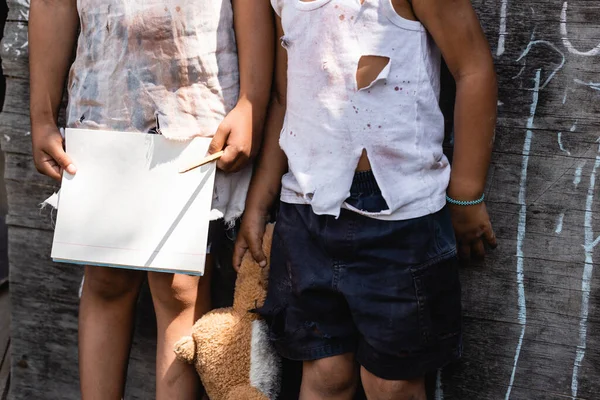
[{"x": 465, "y": 190}]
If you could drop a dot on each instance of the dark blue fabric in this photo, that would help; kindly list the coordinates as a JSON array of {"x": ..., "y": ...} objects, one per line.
[{"x": 386, "y": 290}]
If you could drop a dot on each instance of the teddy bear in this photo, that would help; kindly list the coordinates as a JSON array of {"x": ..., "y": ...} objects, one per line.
[{"x": 230, "y": 347}]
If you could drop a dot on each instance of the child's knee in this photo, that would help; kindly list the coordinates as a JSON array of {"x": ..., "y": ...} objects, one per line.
[
  {"x": 176, "y": 292},
  {"x": 111, "y": 284},
  {"x": 331, "y": 376},
  {"x": 379, "y": 388}
]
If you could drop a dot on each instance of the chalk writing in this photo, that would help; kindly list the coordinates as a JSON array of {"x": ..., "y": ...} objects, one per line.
[
  {"x": 522, "y": 226},
  {"x": 502, "y": 33},
  {"x": 564, "y": 36},
  {"x": 553, "y": 47},
  {"x": 439, "y": 390},
  {"x": 586, "y": 279},
  {"x": 560, "y": 144},
  {"x": 577, "y": 176},
  {"x": 559, "y": 223}
]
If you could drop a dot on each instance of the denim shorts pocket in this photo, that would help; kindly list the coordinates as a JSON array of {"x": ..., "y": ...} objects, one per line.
[{"x": 439, "y": 296}]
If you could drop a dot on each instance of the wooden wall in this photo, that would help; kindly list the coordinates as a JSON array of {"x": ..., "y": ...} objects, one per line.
[{"x": 532, "y": 312}]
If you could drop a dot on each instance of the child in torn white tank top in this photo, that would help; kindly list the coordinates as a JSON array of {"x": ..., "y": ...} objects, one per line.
[{"x": 363, "y": 263}]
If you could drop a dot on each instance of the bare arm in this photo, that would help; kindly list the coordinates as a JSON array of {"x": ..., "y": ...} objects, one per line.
[
  {"x": 455, "y": 28},
  {"x": 241, "y": 131},
  {"x": 271, "y": 165},
  {"x": 52, "y": 35}
]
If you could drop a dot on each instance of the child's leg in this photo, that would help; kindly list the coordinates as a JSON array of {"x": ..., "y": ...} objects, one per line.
[
  {"x": 331, "y": 378},
  {"x": 179, "y": 300},
  {"x": 106, "y": 320},
  {"x": 382, "y": 389},
  {"x": 309, "y": 318}
]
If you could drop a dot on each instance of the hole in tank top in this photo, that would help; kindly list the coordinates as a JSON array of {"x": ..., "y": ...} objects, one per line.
[
  {"x": 404, "y": 9},
  {"x": 369, "y": 68},
  {"x": 363, "y": 163}
]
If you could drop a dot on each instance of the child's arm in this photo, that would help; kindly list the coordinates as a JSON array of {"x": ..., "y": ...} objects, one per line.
[
  {"x": 271, "y": 166},
  {"x": 52, "y": 34},
  {"x": 240, "y": 133},
  {"x": 455, "y": 28}
]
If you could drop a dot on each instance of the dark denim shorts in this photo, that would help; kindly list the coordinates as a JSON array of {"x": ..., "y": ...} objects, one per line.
[{"x": 387, "y": 291}]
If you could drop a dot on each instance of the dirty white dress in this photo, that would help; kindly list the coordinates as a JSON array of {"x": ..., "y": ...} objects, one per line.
[{"x": 159, "y": 66}]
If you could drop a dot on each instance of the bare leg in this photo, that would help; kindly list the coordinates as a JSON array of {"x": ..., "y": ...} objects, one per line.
[
  {"x": 332, "y": 378},
  {"x": 179, "y": 300},
  {"x": 106, "y": 320},
  {"x": 382, "y": 389}
]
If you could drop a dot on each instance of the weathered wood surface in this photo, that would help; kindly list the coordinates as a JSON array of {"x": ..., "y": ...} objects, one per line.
[
  {"x": 4, "y": 342},
  {"x": 532, "y": 312}
]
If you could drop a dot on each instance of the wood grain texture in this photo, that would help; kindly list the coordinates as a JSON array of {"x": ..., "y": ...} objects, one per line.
[
  {"x": 14, "y": 50},
  {"x": 4, "y": 341},
  {"x": 543, "y": 223}
]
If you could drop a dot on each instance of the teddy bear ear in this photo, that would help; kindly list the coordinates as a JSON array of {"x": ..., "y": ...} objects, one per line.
[{"x": 185, "y": 350}]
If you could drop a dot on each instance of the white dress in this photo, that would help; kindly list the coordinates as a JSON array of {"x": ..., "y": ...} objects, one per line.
[{"x": 159, "y": 66}]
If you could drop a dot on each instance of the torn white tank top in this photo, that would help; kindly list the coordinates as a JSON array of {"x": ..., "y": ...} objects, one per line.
[
  {"x": 329, "y": 122},
  {"x": 148, "y": 64}
]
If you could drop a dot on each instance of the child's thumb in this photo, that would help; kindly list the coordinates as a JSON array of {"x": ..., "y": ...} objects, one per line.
[{"x": 62, "y": 159}]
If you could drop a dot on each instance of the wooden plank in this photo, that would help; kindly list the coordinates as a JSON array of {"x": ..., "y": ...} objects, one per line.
[
  {"x": 45, "y": 325},
  {"x": 18, "y": 10},
  {"x": 4, "y": 341},
  {"x": 25, "y": 205},
  {"x": 14, "y": 50},
  {"x": 15, "y": 133},
  {"x": 17, "y": 96},
  {"x": 5, "y": 374}
]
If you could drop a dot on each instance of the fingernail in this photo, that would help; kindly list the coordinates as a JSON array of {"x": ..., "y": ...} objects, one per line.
[
  {"x": 71, "y": 169},
  {"x": 263, "y": 263}
]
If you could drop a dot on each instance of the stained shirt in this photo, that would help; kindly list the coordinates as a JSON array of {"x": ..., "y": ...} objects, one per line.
[{"x": 167, "y": 67}]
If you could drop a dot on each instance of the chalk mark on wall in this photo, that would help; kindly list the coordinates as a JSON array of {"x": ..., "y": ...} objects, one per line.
[
  {"x": 565, "y": 39},
  {"x": 577, "y": 175},
  {"x": 591, "y": 85},
  {"x": 560, "y": 144},
  {"x": 439, "y": 390},
  {"x": 502, "y": 32},
  {"x": 586, "y": 279},
  {"x": 522, "y": 224},
  {"x": 559, "y": 223},
  {"x": 555, "y": 70}
]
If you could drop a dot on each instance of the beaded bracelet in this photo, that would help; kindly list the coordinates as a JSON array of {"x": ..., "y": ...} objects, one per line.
[{"x": 465, "y": 203}]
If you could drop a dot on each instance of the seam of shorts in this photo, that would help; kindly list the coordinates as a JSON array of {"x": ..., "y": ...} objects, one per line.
[
  {"x": 445, "y": 256},
  {"x": 416, "y": 365},
  {"x": 316, "y": 353}
]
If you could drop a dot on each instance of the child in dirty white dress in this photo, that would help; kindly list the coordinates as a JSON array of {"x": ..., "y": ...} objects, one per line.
[
  {"x": 166, "y": 67},
  {"x": 364, "y": 256}
]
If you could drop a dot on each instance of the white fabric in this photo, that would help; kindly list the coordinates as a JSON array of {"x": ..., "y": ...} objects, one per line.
[
  {"x": 329, "y": 122},
  {"x": 175, "y": 62}
]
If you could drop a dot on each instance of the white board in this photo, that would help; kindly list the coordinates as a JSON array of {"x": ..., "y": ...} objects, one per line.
[{"x": 128, "y": 206}]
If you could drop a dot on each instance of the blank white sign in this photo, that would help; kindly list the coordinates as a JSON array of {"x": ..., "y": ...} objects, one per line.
[{"x": 128, "y": 206}]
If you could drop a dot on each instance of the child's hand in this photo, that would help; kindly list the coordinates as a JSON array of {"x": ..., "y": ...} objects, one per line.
[
  {"x": 473, "y": 229},
  {"x": 250, "y": 238},
  {"x": 48, "y": 152},
  {"x": 238, "y": 137}
]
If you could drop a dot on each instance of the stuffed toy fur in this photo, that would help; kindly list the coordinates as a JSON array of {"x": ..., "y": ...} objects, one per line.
[{"x": 229, "y": 346}]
